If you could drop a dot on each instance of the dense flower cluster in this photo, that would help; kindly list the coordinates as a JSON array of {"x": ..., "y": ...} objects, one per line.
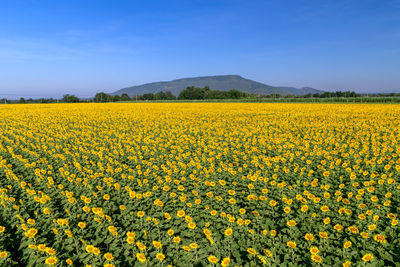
[{"x": 212, "y": 184}]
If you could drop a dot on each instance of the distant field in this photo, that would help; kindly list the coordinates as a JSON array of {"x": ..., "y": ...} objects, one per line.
[{"x": 212, "y": 184}]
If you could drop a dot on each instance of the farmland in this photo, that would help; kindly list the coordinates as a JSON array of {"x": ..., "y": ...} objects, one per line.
[{"x": 224, "y": 184}]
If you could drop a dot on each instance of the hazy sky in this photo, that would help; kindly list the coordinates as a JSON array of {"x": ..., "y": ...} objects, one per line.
[{"x": 48, "y": 48}]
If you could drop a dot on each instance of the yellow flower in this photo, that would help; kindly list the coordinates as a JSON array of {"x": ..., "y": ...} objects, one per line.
[
  {"x": 141, "y": 257},
  {"x": 364, "y": 235},
  {"x": 353, "y": 229},
  {"x": 160, "y": 256},
  {"x": 212, "y": 259},
  {"x": 51, "y": 261},
  {"x": 314, "y": 250},
  {"x": 108, "y": 256},
  {"x": 141, "y": 246},
  {"x": 367, "y": 257},
  {"x": 291, "y": 223},
  {"x": 291, "y": 244},
  {"x": 324, "y": 208},
  {"x": 3, "y": 254},
  {"x": 130, "y": 240},
  {"x": 225, "y": 261},
  {"x": 31, "y": 232},
  {"x": 327, "y": 220},
  {"x": 267, "y": 252},
  {"x": 170, "y": 232},
  {"x": 316, "y": 258},
  {"x": 89, "y": 248},
  {"x": 309, "y": 237},
  {"x": 191, "y": 225},
  {"x": 180, "y": 213},
  {"x": 157, "y": 244},
  {"x": 338, "y": 227},
  {"x": 304, "y": 208},
  {"x": 252, "y": 251},
  {"x": 41, "y": 247},
  {"x": 228, "y": 232},
  {"x": 50, "y": 251},
  {"x": 96, "y": 251},
  {"x": 347, "y": 244},
  {"x": 380, "y": 238},
  {"x": 286, "y": 209},
  {"x": 323, "y": 234}
]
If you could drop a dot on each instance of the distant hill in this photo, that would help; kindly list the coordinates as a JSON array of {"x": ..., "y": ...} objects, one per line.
[{"x": 220, "y": 82}]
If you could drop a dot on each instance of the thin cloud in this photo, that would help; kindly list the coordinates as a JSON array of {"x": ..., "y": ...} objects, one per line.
[{"x": 35, "y": 49}]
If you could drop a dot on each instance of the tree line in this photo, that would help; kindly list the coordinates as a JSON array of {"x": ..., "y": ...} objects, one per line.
[{"x": 191, "y": 93}]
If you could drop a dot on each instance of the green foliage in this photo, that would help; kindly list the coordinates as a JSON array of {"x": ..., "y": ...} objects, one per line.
[
  {"x": 66, "y": 98},
  {"x": 337, "y": 94},
  {"x": 116, "y": 98},
  {"x": 102, "y": 98},
  {"x": 149, "y": 96},
  {"x": 192, "y": 92},
  {"x": 125, "y": 97},
  {"x": 164, "y": 96}
]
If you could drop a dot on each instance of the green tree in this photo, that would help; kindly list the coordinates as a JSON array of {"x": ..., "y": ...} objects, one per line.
[
  {"x": 169, "y": 95},
  {"x": 192, "y": 92},
  {"x": 235, "y": 94},
  {"x": 102, "y": 97},
  {"x": 148, "y": 96},
  {"x": 70, "y": 99},
  {"x": 160, "y": 96},
  {"x": 116, "y": 98},
  {"x": 125, "y": 97}
]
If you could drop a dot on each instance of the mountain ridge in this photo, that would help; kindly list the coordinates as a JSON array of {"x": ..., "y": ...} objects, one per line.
[{"x": 216, "y": 82}]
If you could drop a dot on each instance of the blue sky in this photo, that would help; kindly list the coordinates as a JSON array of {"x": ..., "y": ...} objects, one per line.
[{"x": 48, "y": 48}]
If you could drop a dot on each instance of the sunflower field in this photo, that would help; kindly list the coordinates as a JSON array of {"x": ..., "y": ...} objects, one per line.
[{"x": 199, "y": 184}]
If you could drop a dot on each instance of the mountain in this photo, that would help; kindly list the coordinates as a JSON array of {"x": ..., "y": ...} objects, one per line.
[
  {"x": 301, "y": 91},
  {"x": 220, "y": 82}
]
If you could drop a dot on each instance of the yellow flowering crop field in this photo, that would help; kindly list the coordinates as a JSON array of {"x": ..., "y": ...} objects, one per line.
[{"x": 203, "y": 184}]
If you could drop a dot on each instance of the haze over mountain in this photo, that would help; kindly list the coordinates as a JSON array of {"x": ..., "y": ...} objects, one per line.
[{"x": 219, "y": 82}]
